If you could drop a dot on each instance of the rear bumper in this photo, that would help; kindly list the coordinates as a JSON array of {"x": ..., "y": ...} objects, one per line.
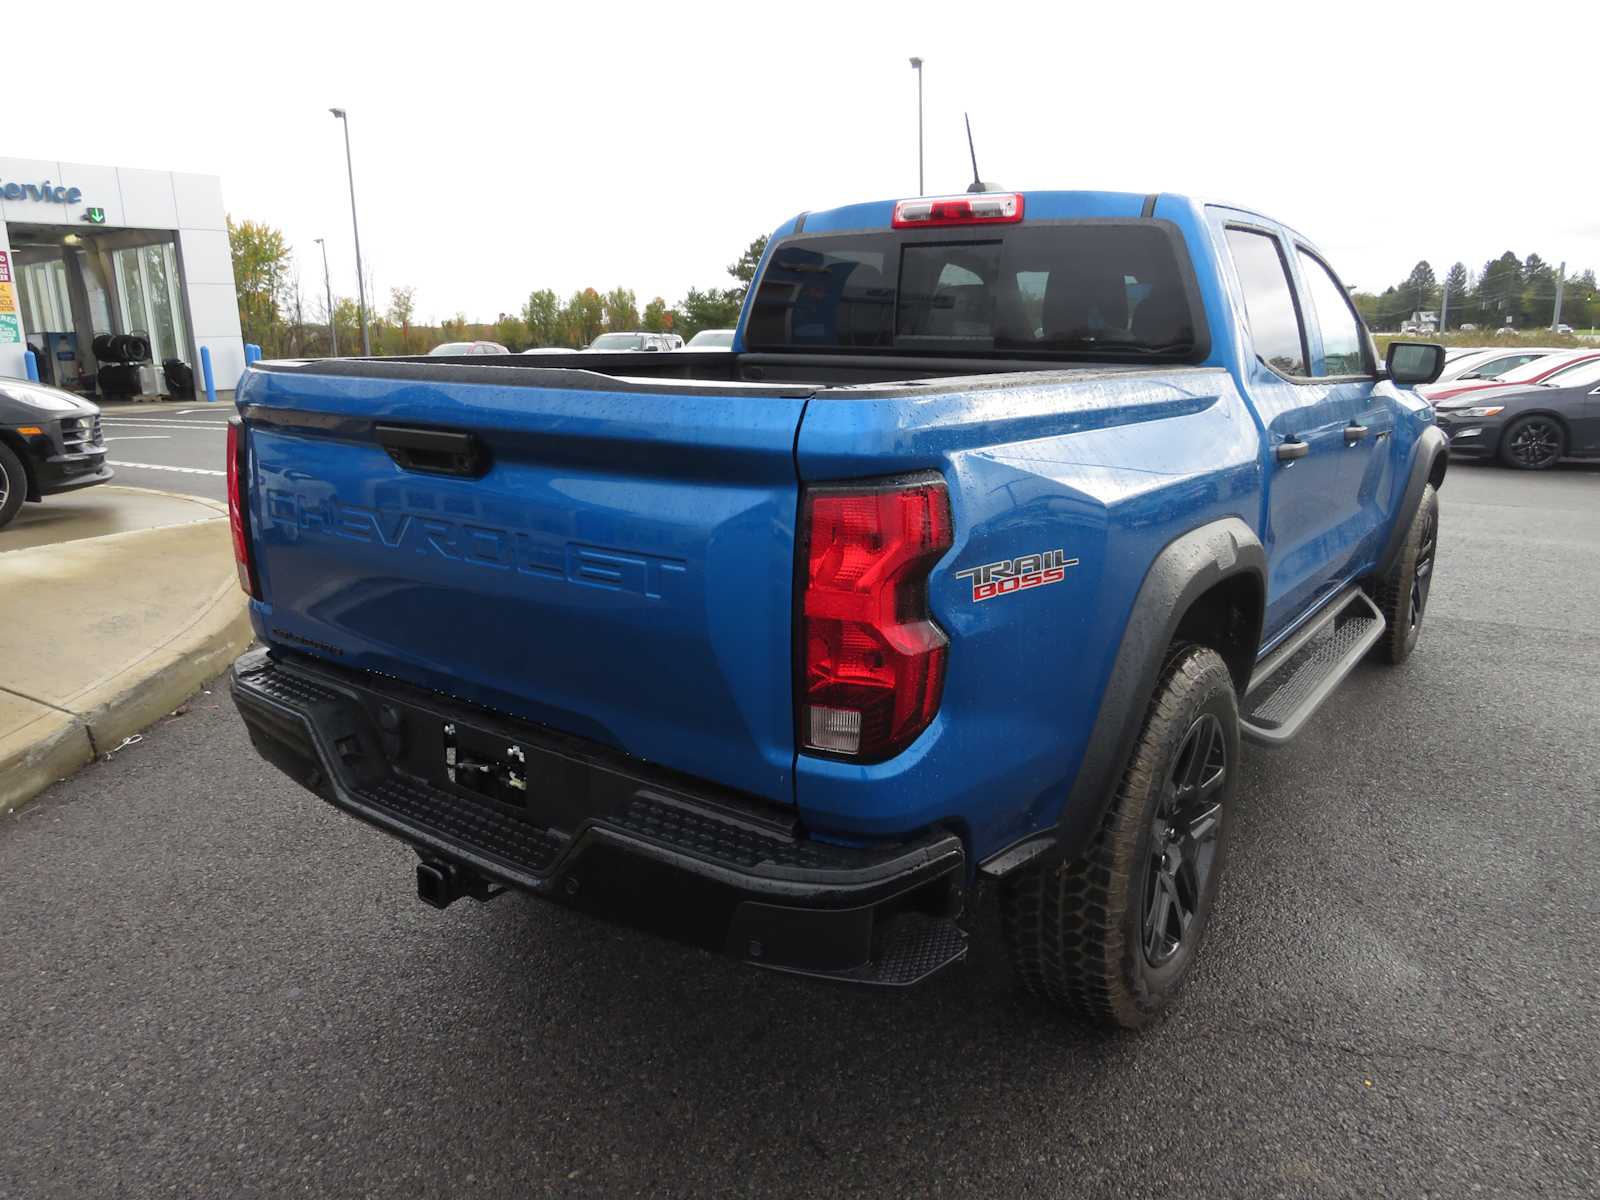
[{"x": 588, "y": 826}]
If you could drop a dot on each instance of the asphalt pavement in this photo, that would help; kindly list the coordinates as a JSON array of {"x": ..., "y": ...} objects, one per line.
[
  {"x": 212, "y": 983},
  {"x": 171, "y": 449}
]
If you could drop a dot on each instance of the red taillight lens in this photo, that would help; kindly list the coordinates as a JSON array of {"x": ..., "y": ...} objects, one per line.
[
  {"x": 237, "y": 510},
  {"x": 979, "y": 208},
  {"x": 874, "y": 661}
]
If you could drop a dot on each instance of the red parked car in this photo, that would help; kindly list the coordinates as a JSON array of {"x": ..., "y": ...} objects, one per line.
[{"x": 1534, "y": 372}]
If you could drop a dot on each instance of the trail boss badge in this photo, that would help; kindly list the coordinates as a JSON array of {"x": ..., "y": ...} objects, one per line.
[{"x": 1011, "y": 575}]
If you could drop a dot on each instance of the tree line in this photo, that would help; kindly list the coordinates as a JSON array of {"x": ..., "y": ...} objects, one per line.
[
  {"x": 277, "y": 313},
  {"x": 1506, "y": 290}
]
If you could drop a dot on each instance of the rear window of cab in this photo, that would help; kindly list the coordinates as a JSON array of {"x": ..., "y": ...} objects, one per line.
[{"x": 1061, "y": 289}]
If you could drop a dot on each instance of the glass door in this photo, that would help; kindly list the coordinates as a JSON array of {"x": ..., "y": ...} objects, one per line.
[
  {"x": 147, "y": 293},
  {"x": 45, "y": 304}
]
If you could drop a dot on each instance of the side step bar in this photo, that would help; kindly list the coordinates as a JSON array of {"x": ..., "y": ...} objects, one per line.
[{"x": 1292, "y": 682}]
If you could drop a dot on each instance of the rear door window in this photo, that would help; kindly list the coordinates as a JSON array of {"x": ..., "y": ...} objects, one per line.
[
  {"x": 1268, "y": 300},
  {"x": 1070, "y": 289}
]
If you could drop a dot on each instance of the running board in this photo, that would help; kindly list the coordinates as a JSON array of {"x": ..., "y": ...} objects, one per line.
[{"x": 1292, "y": 682}]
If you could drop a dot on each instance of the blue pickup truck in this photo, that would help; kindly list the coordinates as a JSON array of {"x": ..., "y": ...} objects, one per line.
[{"x": 1007, "y": 517}]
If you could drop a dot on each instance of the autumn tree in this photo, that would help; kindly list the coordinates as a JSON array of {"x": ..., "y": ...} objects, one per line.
[
  {"x": 585, "y": 316},
  {"x": 542, "y": 316},
  {"x": 711, "y": 309},
  {"x": 657, "y": 316},
  {"x": 622, "y": 310},
  {"x": 261, "y": 281}
]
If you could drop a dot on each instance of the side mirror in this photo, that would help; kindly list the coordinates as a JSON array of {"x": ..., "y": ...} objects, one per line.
[{"x": 1411, "y": 363}]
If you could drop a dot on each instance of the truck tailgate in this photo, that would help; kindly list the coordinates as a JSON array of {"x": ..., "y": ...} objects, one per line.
[{"x": 618, "y": 565}]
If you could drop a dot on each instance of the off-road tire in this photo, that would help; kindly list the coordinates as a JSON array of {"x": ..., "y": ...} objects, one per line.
[
  {"x": 1077, "y": 931},
  {"x": 13, "y": 484},
  {"x": 1402, "y": 594}
]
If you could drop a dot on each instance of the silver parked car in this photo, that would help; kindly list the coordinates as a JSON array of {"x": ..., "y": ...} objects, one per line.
[{"x": 622, "y": 343}]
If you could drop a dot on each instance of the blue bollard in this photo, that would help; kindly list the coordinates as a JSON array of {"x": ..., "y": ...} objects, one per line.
[
  {"x": 252, "y": 353},
  {"x": 205, "y": 370},
  {"x": 30, "y": 364}
]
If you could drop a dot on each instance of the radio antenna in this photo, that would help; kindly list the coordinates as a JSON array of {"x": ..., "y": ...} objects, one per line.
[{"x": 977, "y": 183}]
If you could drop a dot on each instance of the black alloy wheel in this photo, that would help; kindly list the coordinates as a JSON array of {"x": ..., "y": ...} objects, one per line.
[
  {"x": 1183, "y": 839},
  {"x": 1422, "y": 572},
  {"x": 1534, "y": 443}
]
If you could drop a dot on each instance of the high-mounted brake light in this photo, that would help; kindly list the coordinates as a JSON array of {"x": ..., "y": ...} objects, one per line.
[
  {"x": 981, "y": 208},
  {"x": 238, "y": 510},
  {"x": 873, "y": 659}
]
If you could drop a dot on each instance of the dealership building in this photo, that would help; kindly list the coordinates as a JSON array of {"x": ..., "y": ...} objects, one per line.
[{"x": 88, "y": 250}]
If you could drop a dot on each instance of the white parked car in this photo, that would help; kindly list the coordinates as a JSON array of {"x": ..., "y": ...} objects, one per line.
[
  {"x": 711, "y": 339},
  {"x": 1486, "y": 364},
  {"x": 454, "y": 349}
]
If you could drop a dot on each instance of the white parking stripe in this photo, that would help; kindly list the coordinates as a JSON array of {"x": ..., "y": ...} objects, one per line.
[
  {"x": 143, "y": 437},
  {"x": 159, "y": 467},
  {"x": 156, "y": 425},
  {"x": 170, "y": 424}
]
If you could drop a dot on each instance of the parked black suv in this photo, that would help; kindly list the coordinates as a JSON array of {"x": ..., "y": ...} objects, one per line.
[{"x": 50, "y": 441}]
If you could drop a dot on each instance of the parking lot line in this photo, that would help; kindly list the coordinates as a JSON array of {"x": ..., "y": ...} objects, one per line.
[
  {"x": 209, "y": 426},
  {"x": 160, "y": 467}
]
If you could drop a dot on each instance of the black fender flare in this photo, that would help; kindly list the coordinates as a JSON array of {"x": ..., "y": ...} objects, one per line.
[
  {"x": 1432, "y": 449},
  {"x": 1186, "y": 568}
]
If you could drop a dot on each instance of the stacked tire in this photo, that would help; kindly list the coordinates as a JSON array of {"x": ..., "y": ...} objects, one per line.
[{"x": 120, "y": 356}]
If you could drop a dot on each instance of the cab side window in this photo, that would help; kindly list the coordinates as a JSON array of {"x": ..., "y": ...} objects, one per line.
[
  {"x": 1268, "y": 301},
  {"x": 1336, "y": 320}
]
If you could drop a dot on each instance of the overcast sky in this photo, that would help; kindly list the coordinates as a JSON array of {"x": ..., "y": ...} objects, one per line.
[{"x": 505, "y": 147}]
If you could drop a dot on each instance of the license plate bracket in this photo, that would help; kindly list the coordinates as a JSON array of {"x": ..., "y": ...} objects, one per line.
[{"x": 494, "y": 768}]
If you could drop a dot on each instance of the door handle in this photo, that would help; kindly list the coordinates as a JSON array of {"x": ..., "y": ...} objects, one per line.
[
  {"x": 1353, "y": 433},
  {"x": 1292, "y": 449}
]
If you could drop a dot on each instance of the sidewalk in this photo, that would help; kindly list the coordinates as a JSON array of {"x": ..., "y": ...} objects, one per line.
[
  {"x": 102, "y": 633},
  {"x": 135, "y": 408}
]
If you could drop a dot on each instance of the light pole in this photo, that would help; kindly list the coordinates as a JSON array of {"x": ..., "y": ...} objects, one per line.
[
  {"x": 327, "y": 282},
  {"x": 361, "y": 283},
  {"x": 916, "y": 65}
]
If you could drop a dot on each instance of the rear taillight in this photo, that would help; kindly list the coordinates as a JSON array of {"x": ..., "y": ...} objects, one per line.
[
  {"x": 980, "y": 208},
  {"x": 873, "y": 659},
  {"x": 238, "y": 510}
]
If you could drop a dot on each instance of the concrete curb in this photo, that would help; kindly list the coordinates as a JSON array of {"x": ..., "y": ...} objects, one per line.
[
  {"x": 55, "y": 742},
  {"x": 56, "y": 745},
  {"x": 150, "y": 688}
]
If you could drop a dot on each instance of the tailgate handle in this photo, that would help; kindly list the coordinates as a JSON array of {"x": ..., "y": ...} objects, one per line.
[{"x": 433, "y": 451}]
